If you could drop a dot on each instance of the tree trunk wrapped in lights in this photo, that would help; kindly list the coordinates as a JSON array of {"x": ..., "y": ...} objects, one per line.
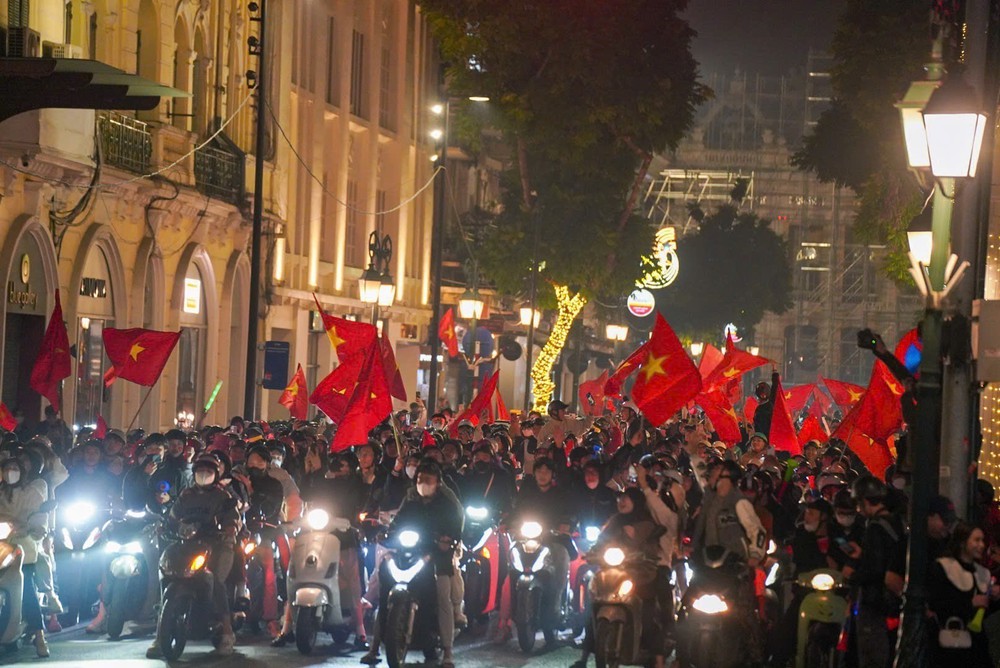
[{"x": 541, "y": 373}]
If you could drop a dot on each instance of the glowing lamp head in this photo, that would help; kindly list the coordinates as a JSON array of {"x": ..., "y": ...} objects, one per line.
[
  {"x": 614, "y": 556},
  {"x": 317, "y": 519},
  {"x": 531, "y": 530},
  {"x": 710, "y": 604},
  {"x": 822, "y": 582},
  {"x": 408, "y": 538}
]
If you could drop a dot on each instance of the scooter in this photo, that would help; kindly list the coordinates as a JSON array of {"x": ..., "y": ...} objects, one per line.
[
  {"x": 261, "y": 555},
  {"x": 617, "y": 607},
  {"x": 131, "y": 551},
  {"x": 481, "y": 564},
  {"x": 79, "y": 564},
  {"x": 408, "y": 596},
  {"x": 314, "y": 581},
  {"x": 581, "y": 574},
  {"x": 821, "y": 617},
  {"x": 709, "y": 632},
  {"x": 11, "y": 590},
  {"x": 535, "y": 589}
]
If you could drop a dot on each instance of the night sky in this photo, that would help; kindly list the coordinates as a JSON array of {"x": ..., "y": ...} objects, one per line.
[{"x": 763, "y": 36}]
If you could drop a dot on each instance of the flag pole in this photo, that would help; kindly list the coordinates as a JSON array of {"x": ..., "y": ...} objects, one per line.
[{"x": 136, "y": 416}]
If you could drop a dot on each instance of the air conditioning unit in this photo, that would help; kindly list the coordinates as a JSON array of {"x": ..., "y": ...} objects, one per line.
[
  {"x": 23, "y": 42},
  {"x": 56, "y": 50}
]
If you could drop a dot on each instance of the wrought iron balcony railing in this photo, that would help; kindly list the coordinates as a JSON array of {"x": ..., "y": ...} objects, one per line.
[
  {"x": 125, "y": 141},
  {"x": 220, "y": 170}
]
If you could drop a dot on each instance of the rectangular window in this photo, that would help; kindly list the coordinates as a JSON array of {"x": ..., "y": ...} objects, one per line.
[
  {"x": 358, "y": 74},
  {"x": 18, "y": 12},
  {"x": 352, "y": 256},
  {"x": 332, "y": 71},
  {"x": 386, "y": 103}
]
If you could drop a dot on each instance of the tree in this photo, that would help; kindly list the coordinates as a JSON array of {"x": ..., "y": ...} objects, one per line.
[
  {"x": 584, "y": 93},
  {"x": 734, "y": 269},
  {"x": 878, "y": 49}
]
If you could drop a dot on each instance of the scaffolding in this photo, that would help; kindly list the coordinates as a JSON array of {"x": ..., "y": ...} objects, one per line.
[{"x": 673, "y": 193}]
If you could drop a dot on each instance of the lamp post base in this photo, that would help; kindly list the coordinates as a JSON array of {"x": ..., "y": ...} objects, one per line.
[{"x": 912, "y": 649}]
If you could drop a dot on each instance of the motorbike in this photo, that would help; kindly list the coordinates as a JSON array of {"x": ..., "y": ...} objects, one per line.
[
  {"x": 581, "y": 574},
  {"x": 710, "y": 633},
  {"x": 131, "y": 550},
  {"x": 408, "y": 596},
  {"x": 617, "y": 607},
  {"x": 11, "y": 590},
  {"x": 481, "y": 564},
  {"x": 258, "y": 562},
  {"x": 79, "y": 564},
  {"x": 187, "y": 611},
  {"x": 314, "y": 581},
  {"x": 821, "y": 617},
  {"x": 534, "y": 592}
]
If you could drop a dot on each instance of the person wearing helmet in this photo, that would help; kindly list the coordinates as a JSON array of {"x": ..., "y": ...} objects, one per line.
[
  {"x": 847, "y": 532},
  {"x": 560, "y": 423},
  {"x": 879, "y": 574},
  {"x": 173, "y": 474}
]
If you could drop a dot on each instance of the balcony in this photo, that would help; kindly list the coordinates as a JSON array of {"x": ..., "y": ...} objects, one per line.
[
  {"x": 125, "y": 142},
  {"x": 220, "y": 170}
]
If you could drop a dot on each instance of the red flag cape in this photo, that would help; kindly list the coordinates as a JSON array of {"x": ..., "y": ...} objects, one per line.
[
  {"x": 844, "y": 394},
  {"x": 393, "y": 378},
  {"x": 711, "y": 357},
  {"x": 333, "y": 393},
  {"x": 53, "y": 361},
  {"x": 667, "y": 379},
  {"x": 296, "y": 396},
  {"x": 480, "y": 408},
  {"x": 812, "y": 430},
  {"x": 102, "y": 427},
  {"x": 347, "y": 337},
  {"x": 368, "y": 405},
  {"x": 595, "y": 388},
  {"x": 782, "y": 436},
  {"x": 716, "y": 405},
  {"x": 446, "y": 332},
  {"x": 137, "y": 355},
  {"x": 7, "y": 420},
  {"x": 613, "y": 387}
]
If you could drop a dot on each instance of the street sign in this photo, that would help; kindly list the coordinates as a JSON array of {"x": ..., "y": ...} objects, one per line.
[{"x": 276, "y": 359}]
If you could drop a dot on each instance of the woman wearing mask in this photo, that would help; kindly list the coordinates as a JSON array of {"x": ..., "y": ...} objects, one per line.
[{"x": 20, "y": 504}]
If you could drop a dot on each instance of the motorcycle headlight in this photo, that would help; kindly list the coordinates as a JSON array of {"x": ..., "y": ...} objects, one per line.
[
  {"x": 822, "y": 582},
  {"x": 401, "y": 575},
  {"x": 135, "y": 514},
  {"x": 113, "y": 547},
  {"x": 477, "y": 513},
  {"x": 317, "y": 519},
  {"x": 614, "y": 556},
  {"x": 772, "y": 575},
  {"x": 531, "y": 529},
  {"x": 197, "y": 563},
  {"x": 133, "y": 547},
  {"x": 409, "y": 538},
  {"x": 7, "y": 552},
  {"x": 6, "y": 528},
  {"x": 624, "y": 589},
  {"x": 249, "y": 548},
  {"x": 515, "y": 560},
  {"x": 592, "y": 534},
  {"x": 710, "y": 604},
  {"x": 540, "y": 560},
  {"x": 92, "y": 538},
  {"x": 80, "y": 512},
  {"x": 772, "y": 547}
]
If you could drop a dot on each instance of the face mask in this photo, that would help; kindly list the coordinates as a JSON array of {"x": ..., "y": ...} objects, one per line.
[
  {"x": 411, "y": 471},
  {"x": 482, "y": 467},
  {"x": 811, "y": 527},
  {"x": 257, "y": 472},
  {"x": 846, "y": 520},
  {"x": 204, "y": 478},
  {"x": 277, "y": 461},
  {"x": 12, "y": 476},
  {"x": 426, "y": 489},
  {"x": 898, "y": 483}
]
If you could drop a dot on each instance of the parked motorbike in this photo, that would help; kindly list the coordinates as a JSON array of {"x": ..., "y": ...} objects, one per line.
[
  {"x": 79, "y": 564},
  {"x": 11, "y": 589},
  {"x": 408, "y": 586},
  {"x": 481, "y": 564},
  {"x": 535, "y": 591},
  {"x": 314, "y": 581},
  {"x": 130, "y": 549},
  {"x": 710, "y": 632},
  {"x": 617, "y": 607},
  {"x": 821, "y": 617}
]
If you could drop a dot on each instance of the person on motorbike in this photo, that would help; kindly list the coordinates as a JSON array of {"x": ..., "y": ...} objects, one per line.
[
  {"x": 560, "y": 423},
  {"x": 173, "y": 474},
  {"x": 594, "y": 502},
  {"x": 432, "y": 511},
  {"x": 46, "y": 471},
  {"x": 265, "y": 504},
  {"x": 20, "y": 504},
  {"x": 207, "y": 500}
]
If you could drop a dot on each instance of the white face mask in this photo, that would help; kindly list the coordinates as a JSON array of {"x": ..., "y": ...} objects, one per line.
[
  {"x": 899, "y": 483},
  {"x": 811, "y": 527},
  {"x": 204, "y": 478},
  {"x": 411, "y": 471},
  {"x": 276, "y": 462},
  {"x": 426, "y": 489},
  {"x": 11, "y": 476},
  {"x": 846, "y": 520}
]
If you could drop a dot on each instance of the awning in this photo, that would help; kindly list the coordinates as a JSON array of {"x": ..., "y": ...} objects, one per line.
[{"x": 67, "y": 83}]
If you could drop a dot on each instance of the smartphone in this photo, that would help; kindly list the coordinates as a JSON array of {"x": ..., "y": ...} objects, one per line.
[{"x": 590, "y": 399}]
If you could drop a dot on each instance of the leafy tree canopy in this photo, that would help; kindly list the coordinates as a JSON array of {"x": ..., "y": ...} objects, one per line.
[{"x": 732, "y": 270}]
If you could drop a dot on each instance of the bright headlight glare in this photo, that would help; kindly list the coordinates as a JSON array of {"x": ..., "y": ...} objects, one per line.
[
  {"x": 135, "y": 514},
  {"x": 613, "y": 556},
  {"x": 710, "y": 604},
  {"x": 515, "y": 560},
  {"x": 540, "y": 560},
  {"x": 477, "y": 513},
  {"x": 80, "y": 512},
  {"x": 592, "y": 534},
  {"x": 822, "y": 582},
  {"x": 772, "y": 575},
  {"x": 249, "y": 548},
  {"x": 134, "y": 547},
  {"x": 404, "y": 575},
  {"x": 113, "y": 547},
  {"x": 531, "y": 529},
  {"x": 5, "y": 530},
  {"x": 197, "y": 562},
  {"x": 95, "y": 534},
  {"x": 408, "y": 538},
  {"x": 317, "y": 519},
  {"x": 624, "y": 589},
  {"x": 772, "y": 547}
]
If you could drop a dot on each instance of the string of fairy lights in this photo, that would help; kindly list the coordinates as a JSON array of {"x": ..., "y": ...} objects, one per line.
[
  {"x": 989, "y": 406},
  {"x": 541, "y": 373}
]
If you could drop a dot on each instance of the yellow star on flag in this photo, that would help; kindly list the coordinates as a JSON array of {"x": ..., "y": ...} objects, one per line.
[
  {"x": 788, "y": 395},
  {"x": 292, "y": 389},
  {"x": 855, "y": 395},
  {"x": 730, "y": 372},
  {"x": 334, "y": 338},
  {"x": 653, "y": 366},
  {"x": 894, "y": 386},
  {"x": 134, "y": 352}
]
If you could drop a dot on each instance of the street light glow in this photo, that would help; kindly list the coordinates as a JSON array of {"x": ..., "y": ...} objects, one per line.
[
  {"x": 437, "y": 109},
  {"x": 479, "y": 98},
  {"x": 436, "y": 134}
]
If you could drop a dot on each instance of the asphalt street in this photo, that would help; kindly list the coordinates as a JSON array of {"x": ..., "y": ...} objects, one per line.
[{"x": 73, "y": 647}]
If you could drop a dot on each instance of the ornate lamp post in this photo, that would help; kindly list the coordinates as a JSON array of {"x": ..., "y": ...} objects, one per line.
[{"x": 376, "y": 286}]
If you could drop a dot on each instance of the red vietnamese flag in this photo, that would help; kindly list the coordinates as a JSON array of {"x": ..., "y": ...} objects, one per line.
[
  {"x": 53, "y": 361},
  {"x": 393, "y": 378},
  {"x": 137, "y": 355},
  {"x": 782, "y": 436},
  {"x": 480, "y": 408},
  {"x": 102, "y": 427},
  {"x": 711, "y": 357},
  {"x": 368, "y": 405},
  {"x": 347, "y": 337},
  {"x": 812, "y": 430},
  {"x": 446, "y": 332},
  {"x": 296, "y": 396},
  {"x": 7, "y": 420},
  {"x": 333, "y": 393},
  {"x": 667, "y": 379},
  {"x": 595, "y": 388},
  {"x": 821, "y": 403},
  {"x": 614, "y": 384},
  {"x": 879, "y": 413},
  {"x": 873, "y": 453},
  {"x": 844, "y": 394},
  {"x": 716, "y": 405},
  {"x": 796, "y": 397},
  {"x": 734, "y": 364},
  {"x": 750, "y": 407}
]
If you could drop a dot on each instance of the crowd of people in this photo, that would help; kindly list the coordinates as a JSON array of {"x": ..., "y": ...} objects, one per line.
[{"x": 670, "y": 490}]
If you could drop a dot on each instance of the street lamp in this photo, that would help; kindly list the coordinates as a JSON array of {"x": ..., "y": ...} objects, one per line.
[
  {"x": 615, "y": 332},
  {"x": 919, "y": 236},
  {"x": 955, "y": 124},
  {"x": 697, "y": 348},
  {"x": 375, "y": 284},
  {"x": 470, "y": 305},
  {"x": 754, "y": 350},
  {"x": 529, "y": 315}
]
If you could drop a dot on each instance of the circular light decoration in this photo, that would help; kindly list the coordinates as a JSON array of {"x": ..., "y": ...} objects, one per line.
[
  {"x": 730, "y": 330},
  {"x": 641, "y": 303},
  {"x": 661, "y": 268}
]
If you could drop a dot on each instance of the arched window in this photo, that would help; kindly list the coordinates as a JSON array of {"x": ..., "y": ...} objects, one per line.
[{"x": 192, "y": 348}]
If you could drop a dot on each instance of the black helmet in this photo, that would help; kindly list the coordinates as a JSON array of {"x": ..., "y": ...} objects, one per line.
[
  {"x": 260, "y": 451},
  {"x": 732, "y": 470},
  {"x": 206, "y": 462},
  {"x": 843, "y": 501},
  {"x": 555, "y": 406},
  {"x": 869, "y": 488},
  {"x": 430, "y": 467}
]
